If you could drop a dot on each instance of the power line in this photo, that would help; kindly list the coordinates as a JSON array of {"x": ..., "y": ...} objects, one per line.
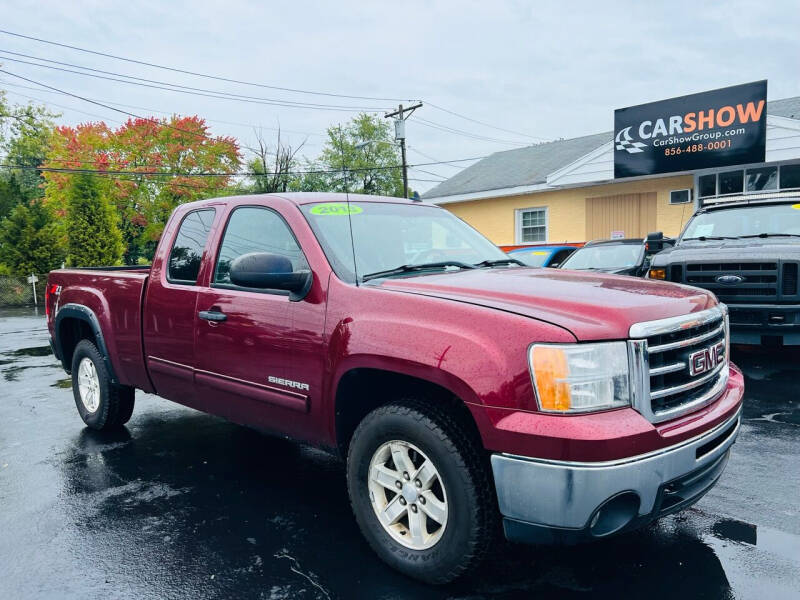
[
  {"x": 429, "y": 157},
  {"x": 155, "y": 110},
  {"x": 429, "y": 173},
  {"x": 196, "y": 74},
  {"x": 174, "y": 183},
  {"x": 447, "y": 129},
  {"x": 124, "y": 112},
  {"x": 83, "y": 112},
  {"x": 455, "y": 114},
  {"x": 261, "y": 85},
  {"x": 416, "y": 167},
  {"x": 159, "y": 85},
  {"x": 50, "y": 169}
]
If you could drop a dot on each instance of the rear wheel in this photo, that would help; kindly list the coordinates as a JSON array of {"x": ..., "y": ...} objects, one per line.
[
  {"x": 421, "y": 490},
  {"x": 101, "y": 403}
]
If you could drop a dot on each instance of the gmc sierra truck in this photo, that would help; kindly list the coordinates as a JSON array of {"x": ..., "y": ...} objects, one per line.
[
  {"x": 746, "y": 251},
  {"x": 468, "y": 394}
]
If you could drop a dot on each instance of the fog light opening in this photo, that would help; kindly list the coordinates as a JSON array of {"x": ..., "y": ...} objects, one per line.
[{"x": 614, "y": 514}]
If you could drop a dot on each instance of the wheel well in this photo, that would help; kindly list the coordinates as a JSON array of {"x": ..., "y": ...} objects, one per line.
[
  {"x": 360, "y": 391},
  {"x": 70, "y": 332}
]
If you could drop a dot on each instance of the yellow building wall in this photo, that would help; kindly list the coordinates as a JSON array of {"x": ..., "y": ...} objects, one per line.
[{"x": 494, "y": 217}]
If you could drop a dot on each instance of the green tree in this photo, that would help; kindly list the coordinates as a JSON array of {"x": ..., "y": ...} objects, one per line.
[
  {"x": 24, "y": 141},
  {"x": 30, "y": 241},
  {"x": 93, "y": 238},
  {"x": 361, "y": 157},
  {"x": 10, "y": 194}
]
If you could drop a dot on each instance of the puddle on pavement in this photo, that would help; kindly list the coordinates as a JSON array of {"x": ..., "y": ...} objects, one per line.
[
  {"x": 62, "y": 383},
  {"x": 735, "y": 531},
  {"x": 37, "y": 351},
  {"x": 764, "y": 538},
  {"x": 12, "y": 373},
  {"x": 791, "y": 417}
]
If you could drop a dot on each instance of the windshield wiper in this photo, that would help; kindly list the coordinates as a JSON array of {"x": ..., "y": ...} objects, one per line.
[
  {"x": 420, "y": 267},
  {"x": 499, "y": 261},
  {"x": 703, "y": 238},
  {"x": 766, "y": 235}
]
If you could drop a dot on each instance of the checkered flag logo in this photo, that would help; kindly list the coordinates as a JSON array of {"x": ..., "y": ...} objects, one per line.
[{"x": 625, "y": 142}]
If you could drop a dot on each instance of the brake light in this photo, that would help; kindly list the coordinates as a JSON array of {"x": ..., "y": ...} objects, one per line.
[{"x": 49, "y": 290}]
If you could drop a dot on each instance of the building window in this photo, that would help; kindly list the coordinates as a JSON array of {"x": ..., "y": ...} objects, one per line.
[
  {"x": 731, "y": 182},
  {"x": 765, "y": 178},
  {"x": 532, "y": 225},
  {"x": 750, "y": 180},
  {"x": 680, "y": 196},
  {"x": 707, "y": 186},
  {"x": 790, "y": 177}
]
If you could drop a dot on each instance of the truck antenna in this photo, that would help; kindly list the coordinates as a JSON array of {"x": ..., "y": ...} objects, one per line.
[{"x": 347, "y": 202}]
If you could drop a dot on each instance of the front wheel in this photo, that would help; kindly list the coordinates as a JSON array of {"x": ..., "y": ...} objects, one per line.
[
  {"x": 421, "y": 490},
  {"x": 101, "y": 403}
]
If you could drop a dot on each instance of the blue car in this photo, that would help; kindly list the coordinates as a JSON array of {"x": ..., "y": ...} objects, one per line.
[{"x": 542, "y": 256}]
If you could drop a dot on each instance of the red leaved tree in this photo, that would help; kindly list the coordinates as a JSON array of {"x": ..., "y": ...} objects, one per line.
[{"x": 147, "y": 167}]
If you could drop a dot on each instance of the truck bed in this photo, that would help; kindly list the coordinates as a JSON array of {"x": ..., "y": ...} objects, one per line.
[{"x": 115, "y": 296}]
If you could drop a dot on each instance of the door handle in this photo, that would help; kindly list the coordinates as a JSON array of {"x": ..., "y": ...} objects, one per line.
[{"x": 212, "y": 315}]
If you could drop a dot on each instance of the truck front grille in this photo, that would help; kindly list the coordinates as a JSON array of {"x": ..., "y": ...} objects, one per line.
[
  {"x": 767, "y": 282},
  {"x": 682, "y": 363},
  {"x": 790, "y": 279}
]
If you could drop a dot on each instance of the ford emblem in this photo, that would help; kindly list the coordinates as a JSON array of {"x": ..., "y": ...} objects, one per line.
[{"x": 729, "y": 279}]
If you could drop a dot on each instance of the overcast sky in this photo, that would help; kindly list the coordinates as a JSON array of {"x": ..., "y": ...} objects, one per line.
[{"x": 538, "y": 69}]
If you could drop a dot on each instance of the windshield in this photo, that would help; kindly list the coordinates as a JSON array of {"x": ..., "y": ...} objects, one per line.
[
  {"x": 612, "y": 256},
  {"x": 388, "y": 236},
  {"x": 532, "y": 258},
  {"x": 747, "y": 220}
]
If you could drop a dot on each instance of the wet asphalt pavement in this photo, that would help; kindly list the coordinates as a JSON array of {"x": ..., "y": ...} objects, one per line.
[{"x": 184, "y": 505}]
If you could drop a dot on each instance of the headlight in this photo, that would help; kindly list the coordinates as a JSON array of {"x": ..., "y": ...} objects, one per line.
[{"x": 580, "y": 377}]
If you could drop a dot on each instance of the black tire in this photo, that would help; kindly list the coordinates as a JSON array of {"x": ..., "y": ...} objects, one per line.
[
  {"x": 116, "y": 401},
  {"x": 465, "y": 476}
]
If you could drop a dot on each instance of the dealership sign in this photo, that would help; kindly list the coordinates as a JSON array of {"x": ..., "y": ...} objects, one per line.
[{"x": 700, "y": 131}]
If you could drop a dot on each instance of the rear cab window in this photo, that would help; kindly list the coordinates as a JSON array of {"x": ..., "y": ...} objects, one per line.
[{"x": 186, "y": 254}]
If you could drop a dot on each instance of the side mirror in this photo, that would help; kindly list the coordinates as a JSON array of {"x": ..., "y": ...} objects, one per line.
[
  {"x": 654, "y": 242},
  {"x": 263, "y": 270}
]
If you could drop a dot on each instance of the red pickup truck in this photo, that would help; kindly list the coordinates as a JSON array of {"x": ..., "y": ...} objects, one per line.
[{"x": 469, "y": 394}]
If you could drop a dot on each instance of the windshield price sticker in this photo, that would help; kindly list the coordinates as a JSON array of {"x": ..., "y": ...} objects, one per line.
[
  {"x": 704, "y": 230},
  {"x": 796, "y": 206},
  {"x": 329, "y": 209}
]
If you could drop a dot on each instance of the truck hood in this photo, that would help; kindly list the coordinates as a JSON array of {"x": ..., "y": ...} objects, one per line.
[
  {"x": 714, "y": 250},
  {"x": 593, "y": 306}
]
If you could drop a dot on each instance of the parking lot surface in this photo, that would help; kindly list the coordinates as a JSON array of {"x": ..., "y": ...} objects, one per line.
[{"x": 180, "y": 504}]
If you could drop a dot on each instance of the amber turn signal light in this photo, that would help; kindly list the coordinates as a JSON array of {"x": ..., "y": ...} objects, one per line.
[{"x": 658, "y": 273}]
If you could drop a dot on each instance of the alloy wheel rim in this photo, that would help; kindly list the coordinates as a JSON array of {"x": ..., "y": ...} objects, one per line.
[
  {"x": 407, "y": 494},
  {"x": 88, "y": 385}
]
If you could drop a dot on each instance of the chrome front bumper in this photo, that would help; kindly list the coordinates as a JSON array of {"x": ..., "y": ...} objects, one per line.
[{"x": 550, "y": 501}]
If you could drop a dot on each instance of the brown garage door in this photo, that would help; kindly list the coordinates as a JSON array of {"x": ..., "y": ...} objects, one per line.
[{"x": 632, "y": 214}]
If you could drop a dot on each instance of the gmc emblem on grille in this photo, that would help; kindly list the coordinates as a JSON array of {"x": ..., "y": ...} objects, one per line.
[{"x": 706, "y": 359}]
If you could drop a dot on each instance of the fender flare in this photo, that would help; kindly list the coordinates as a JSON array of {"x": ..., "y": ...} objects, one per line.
[{"x": 85, "y": 314}]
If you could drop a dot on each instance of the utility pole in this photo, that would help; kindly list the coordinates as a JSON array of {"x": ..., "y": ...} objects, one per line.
[{"x": 400, "y": 136}]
